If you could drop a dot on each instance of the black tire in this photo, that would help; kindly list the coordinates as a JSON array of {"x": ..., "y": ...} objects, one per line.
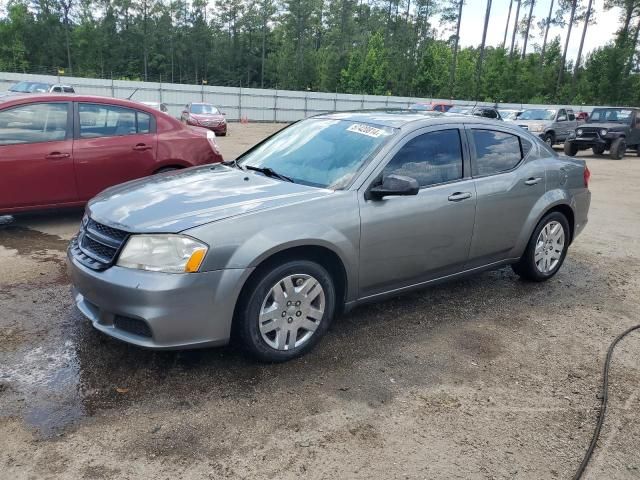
[
  {"x": 248, "y": 313},
  {"x": 618, "y": 149},
  {"x": 224, "y": 134},
  {"x": 638, "y": 150},
  {"x": 526, "y": 267},
  {"x": 570, "y": 148},
  {"x": 549, "y": 139},
  {"x": 598, "y": 150}
]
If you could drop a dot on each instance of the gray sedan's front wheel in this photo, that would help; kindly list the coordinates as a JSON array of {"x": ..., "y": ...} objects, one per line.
[
  {"x": 288, "y": 308},
  {"x": 546, "y": 250}
]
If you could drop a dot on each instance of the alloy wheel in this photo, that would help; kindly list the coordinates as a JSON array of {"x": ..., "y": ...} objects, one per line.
[
  {"x": 549, "y": 247},
  {"x": 291, "y": 312}
]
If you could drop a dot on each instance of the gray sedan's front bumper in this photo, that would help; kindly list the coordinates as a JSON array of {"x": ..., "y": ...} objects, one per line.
[{"x": 180, "y": 310}]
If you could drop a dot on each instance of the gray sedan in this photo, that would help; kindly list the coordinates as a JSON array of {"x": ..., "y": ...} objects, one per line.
[{"x": 329, "y": 213}]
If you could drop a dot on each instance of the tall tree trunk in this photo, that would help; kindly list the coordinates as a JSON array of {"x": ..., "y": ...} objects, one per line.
[
  {"x": 546, "y": 33},
  {"x": 566, "y": 45},
  {"x": 515, "y": 30},
  {"x": 526, "y": 33},
  {"x": 452, "y": 81},
  {"x": 627, "y": 18},
  {"x": 506, "y": 27},
  {"x": 484, "y": 39},
  {"x": 634, "y": 45},
  {"x": 584, "y": 34},
  {"x": 66, "y": 34},
  {"x": 66, "y": 13},
  {"x": 264, "y": 41}
]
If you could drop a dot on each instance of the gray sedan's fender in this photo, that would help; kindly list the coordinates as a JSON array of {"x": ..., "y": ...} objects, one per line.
[
  {"x": 550, "y": 200},
  {"x": 245, "y": 241}
]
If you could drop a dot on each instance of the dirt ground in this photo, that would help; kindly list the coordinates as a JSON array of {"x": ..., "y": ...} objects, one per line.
[{"x": 483, "y": 378}]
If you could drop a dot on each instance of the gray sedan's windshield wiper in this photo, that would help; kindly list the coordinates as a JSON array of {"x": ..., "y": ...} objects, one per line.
[
  {"x": 269, "y": 172},
  {"x": 233, "y": 163}
]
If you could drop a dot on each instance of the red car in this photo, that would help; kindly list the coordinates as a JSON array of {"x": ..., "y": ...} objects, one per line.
[
  {"x": 431, "y": 107},
  {"x": 60, "y": 150},
  {"x": 206, "y": 116},
  {"x": 582, "y": 117}
]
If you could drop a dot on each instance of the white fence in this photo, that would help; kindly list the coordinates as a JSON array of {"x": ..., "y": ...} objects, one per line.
[{"x": 255, "y": 104}]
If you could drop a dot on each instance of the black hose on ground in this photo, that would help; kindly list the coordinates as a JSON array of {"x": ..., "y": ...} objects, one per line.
[{"x": 603, "y": 405}]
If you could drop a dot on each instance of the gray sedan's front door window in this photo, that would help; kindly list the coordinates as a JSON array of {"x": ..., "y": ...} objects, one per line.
[{"x": 409, "y": 240}]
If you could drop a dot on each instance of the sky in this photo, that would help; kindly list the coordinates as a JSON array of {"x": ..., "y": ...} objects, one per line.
[{"x": 473, "y": 22}]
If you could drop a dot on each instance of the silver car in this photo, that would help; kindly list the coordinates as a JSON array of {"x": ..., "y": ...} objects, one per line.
[
  {"x": 551, "y": 125},
  {"x": 329, "y": 213}
]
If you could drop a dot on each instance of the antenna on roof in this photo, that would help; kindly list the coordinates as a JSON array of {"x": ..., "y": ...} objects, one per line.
[{"x": 132, "y": 94}]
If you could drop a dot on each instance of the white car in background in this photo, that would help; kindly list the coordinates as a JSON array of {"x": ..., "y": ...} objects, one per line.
[
  {"x": 508, "y": 114},
  {"x": 157, "y": 105}
]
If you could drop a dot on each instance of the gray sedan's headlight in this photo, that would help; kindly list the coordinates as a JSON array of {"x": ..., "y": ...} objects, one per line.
[
  {"x": 163, "y": 253},
  {"x": 603, "y": 132}
]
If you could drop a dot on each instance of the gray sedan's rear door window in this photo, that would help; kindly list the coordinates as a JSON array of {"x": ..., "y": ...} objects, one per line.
[{"x": 496, "y": 152}]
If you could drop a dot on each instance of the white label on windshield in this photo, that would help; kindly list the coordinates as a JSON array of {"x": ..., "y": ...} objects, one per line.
[{"x": 365, "y": 130}]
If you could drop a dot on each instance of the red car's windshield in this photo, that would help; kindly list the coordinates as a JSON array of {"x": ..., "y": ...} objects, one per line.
[{"x": 204, "y": 109}]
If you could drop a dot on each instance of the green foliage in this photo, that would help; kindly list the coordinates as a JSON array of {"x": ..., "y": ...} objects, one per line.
[
  {"x": 368, "y": 71},
  {"x": 357, "y": 46}
]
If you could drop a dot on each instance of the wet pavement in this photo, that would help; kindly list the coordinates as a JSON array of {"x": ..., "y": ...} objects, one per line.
[{"x": 486, "y": 377}]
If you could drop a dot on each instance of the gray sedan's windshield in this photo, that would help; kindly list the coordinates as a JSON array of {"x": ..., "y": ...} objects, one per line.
[
  {"x": 537, "y": 114},
  {"x": 320, "y": 152}
]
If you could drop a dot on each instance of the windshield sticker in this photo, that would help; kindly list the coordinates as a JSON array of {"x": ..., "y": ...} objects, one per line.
[{"x": 365, "y": 130}]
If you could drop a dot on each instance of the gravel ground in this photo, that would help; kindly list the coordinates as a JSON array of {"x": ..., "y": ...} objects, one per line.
[{"x": 487, "y": 377}]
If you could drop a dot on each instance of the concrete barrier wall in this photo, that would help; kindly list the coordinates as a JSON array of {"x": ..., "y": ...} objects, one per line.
[{"x": 264, "y": 105}]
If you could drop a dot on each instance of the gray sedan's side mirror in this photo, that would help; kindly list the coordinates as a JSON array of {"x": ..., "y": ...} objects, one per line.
[
  {"x": 394, "y": 185},
  {"x": 561, "y": 118}
]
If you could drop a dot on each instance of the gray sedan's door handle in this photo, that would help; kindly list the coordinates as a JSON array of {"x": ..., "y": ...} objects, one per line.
[
  {"x": 458, "y": 196},
  {"x": 532, "y": 181}
]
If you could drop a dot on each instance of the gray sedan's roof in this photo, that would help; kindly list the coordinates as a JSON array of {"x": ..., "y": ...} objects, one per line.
[{"x": 400, "y": 118}]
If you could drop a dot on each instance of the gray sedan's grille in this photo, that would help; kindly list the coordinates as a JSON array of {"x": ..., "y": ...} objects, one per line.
[
  {"x": 132, "y": 325},
  {"x": 97, "y": 245},
  {"x": 105, "y": 230}
]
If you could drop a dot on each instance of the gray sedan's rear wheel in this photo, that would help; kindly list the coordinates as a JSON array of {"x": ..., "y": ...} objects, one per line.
[
  {"x": 546, "y": 250},
  {"x": 288, "y": 309}
]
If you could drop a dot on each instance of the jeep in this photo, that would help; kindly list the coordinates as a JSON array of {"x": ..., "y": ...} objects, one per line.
[{"x": 612, "y": 129}]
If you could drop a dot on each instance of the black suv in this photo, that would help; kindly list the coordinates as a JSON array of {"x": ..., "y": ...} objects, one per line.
[{"x": 613, "y": 129}]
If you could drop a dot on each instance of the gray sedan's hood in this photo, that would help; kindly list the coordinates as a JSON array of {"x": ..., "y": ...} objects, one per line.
[{"x": 178, "y": 201}]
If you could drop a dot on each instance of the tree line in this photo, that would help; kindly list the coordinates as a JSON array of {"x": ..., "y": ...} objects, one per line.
[{"x": 392, "y": 47}]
